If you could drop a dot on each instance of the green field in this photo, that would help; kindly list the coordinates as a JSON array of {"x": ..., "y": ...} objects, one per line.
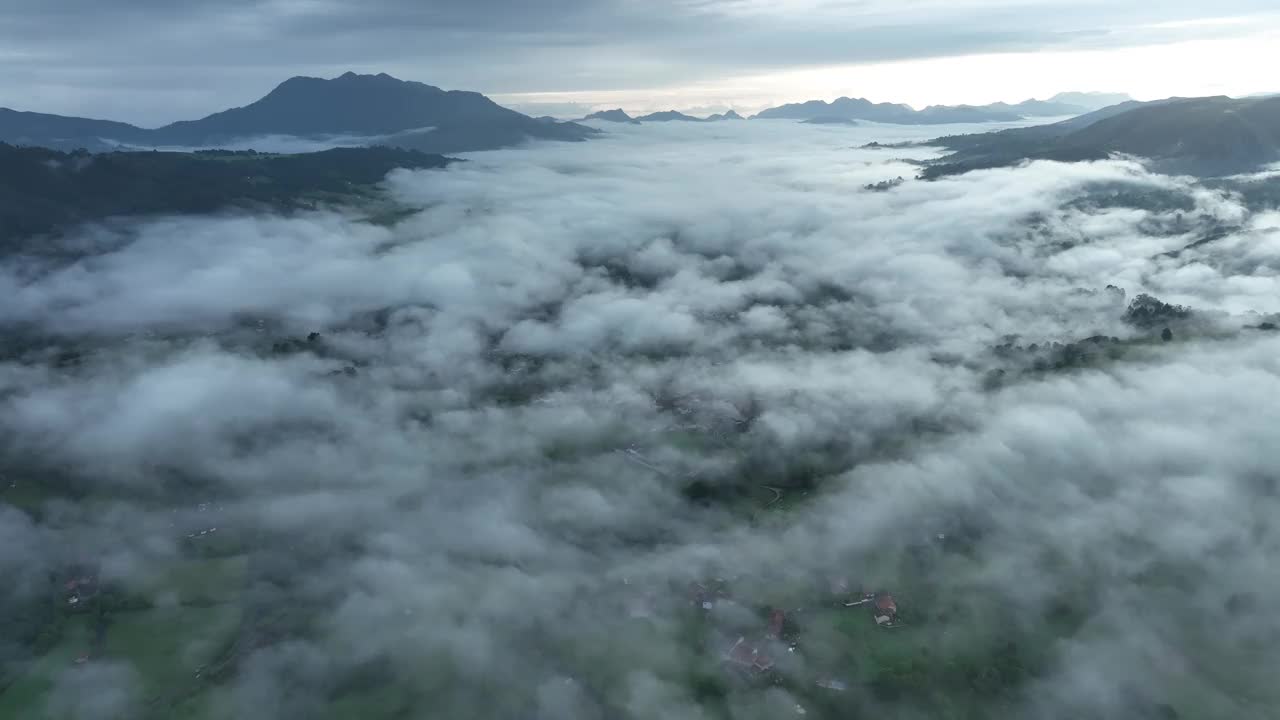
[
  {"x": 195, "y": 621},
  {"x": 25, "y": 698},
  {"x": 198, "y": 582},
  {"x": 26, "y": 495},
  {"x": 167, "y": 646}
]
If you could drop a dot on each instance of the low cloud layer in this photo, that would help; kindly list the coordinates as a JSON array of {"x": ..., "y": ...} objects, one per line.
[{"x": 579, "y": 378}]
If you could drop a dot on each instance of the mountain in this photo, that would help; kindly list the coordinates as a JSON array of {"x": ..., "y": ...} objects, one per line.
[
  {"x": 1038, "y": 108},
  {"x": 397, "y": 112},
  {"x": 617, "y": 115},
  {"x": 57, "y": 131},
  {"x": 949, "y": 114},
  {"x": 668, "y": 116},
  {"x": 1211, "y": 136},
  {"x": 486, "y": 135},
  {"x": 860, "y": 109},
  {"x": 43, "y": 190},
  {"x": 351, "y": 104},
  {"x": 1090, "y": 100},
  {"x": 1029, "y": 138},
  {"x": 846, "y": 108}
]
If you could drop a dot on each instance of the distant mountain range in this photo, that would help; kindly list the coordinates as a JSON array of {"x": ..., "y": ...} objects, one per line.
[
  {"x": 619, "y": 116},
  {"x": 395, "y": 112},
  {"x": 668, "y": 116},
  {"x": 860, "y": 109},
  {"x": 382, "y": 110},
  {"x": 1090, "y": 100},
  {"x": 1211, "y": 136}
]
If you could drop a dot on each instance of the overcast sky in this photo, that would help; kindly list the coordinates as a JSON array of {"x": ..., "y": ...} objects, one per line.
[{"x": 154, "y": 61}]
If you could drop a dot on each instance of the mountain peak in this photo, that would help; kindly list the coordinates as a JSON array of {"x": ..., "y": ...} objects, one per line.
[
  {"x": 351, "y": 103},
  {"x": 668, "y": 116},
  {"x": 1090, "y": 100},
  {"x": 347, "y": 79},
  {"x": 379, "y": 108},
  {"x": 615, "y": 115}
]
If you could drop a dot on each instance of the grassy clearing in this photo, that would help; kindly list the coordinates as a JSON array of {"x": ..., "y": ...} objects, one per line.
[
  {"x": 26, "y": 495},
  {"x": 387, "y": 702},
  {"x": 201, "y": 581},
  {"x": 210, "y": 703},
  {"x": 168, "y": 645},
  {"x": 25, "y": 698}
]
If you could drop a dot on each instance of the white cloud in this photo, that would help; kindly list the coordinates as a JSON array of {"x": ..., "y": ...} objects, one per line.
[{"x": 729, "y": 304}]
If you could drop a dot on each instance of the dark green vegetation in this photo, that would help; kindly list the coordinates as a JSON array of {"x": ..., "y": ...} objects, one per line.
[
  {"x": 1200, "y": 136},
  {"x": 884, "y": 185},
  {"x": 391, "y": 111},
  {"x": 42, "y": 191}
]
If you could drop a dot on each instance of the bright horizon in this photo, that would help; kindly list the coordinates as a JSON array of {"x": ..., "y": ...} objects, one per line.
[{"x": 1145, "y": 73}]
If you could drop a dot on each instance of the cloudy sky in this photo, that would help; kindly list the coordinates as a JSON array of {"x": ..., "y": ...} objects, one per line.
[{"x": 152, "y": 61}]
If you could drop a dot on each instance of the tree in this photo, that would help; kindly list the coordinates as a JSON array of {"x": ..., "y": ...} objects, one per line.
[{"x": 1147, "y": 311}]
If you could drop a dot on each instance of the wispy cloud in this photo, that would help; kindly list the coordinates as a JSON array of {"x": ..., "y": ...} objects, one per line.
[{"x": 730, "y": 305}]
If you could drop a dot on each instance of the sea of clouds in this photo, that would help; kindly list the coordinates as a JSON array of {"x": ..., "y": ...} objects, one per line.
[{"x": 492, "y": 444}]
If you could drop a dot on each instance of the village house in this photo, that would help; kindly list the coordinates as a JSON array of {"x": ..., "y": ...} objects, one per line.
[
  {"x": 747, "y": 657},
  {"x": 885, "y": 610},
  {"x": 79, "y": 588}
]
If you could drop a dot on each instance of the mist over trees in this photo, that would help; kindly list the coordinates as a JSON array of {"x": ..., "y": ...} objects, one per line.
[
  {"x": 686, "y": 422},
  {"x": 44, "y": 191}
]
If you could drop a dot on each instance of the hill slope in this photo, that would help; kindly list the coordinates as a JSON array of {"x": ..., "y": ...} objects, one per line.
[
  {"x": 62, "y": 132},
  {"x": 1199, "y": 136},
  {"x": 1090, "y": 100},
  {"x": 43, "y": 190}
]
